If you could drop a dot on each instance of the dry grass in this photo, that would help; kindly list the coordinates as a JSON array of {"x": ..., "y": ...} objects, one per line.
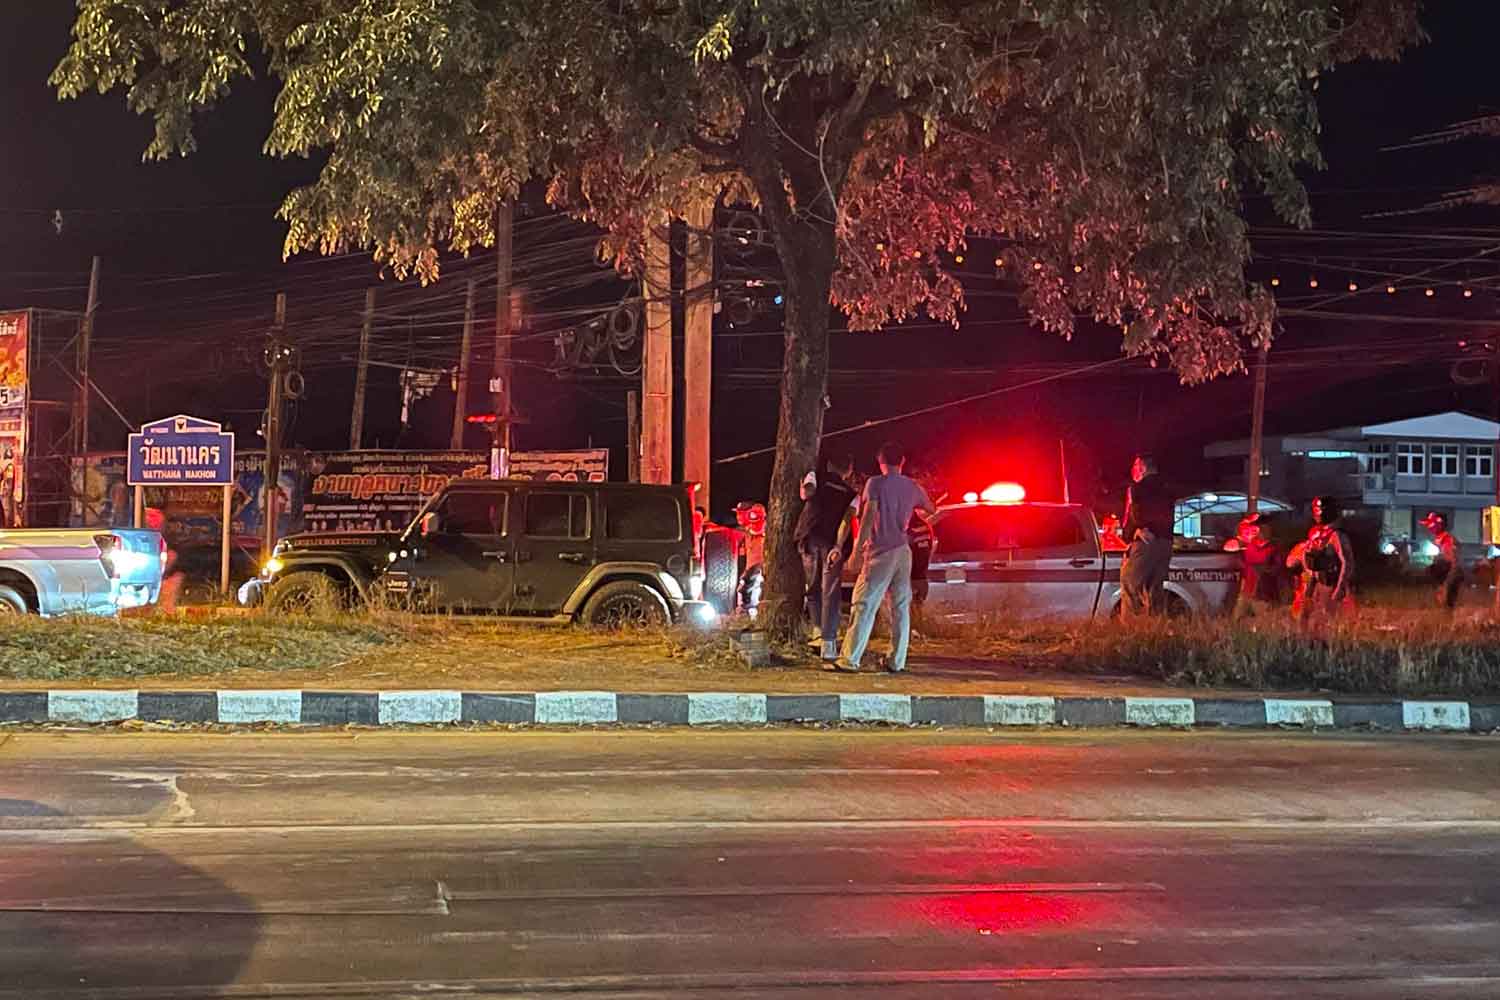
[
  {"x": 1408, "y": 650},
  {"x": 1395, "y": 647}
]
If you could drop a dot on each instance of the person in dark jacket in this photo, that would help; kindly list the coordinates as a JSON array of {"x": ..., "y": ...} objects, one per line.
[
  {"x": 1148, "y": 540},
  {"x": 825, "y": 505},
  {"x": 1448, "y": 567}
]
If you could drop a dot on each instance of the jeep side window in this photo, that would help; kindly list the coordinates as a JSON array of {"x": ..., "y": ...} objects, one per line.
[
  {"x": 642, "y": 517},
  {"x": 557, "y": 515},
  {"x": 474, "y": 513}
]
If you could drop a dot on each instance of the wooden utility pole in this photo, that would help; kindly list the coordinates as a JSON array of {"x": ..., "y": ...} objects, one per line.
[
  {"x": 85, "y": 345},
  {"x": 461, "y": 397},
  {"x": 656, "y": 358},
  {"x": 1257, "y": 431},
  {"x": 362, "y": 374},
  {"x": 698, "y": 349},
  {"x": 277, "y": 355},
  {"x": 633, "y": 433}
]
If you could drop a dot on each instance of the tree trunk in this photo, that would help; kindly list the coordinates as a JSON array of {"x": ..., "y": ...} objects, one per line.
[{"x": 807, "y": 258}]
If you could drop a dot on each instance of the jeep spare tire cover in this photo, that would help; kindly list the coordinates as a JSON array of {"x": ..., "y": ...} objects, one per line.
[{"x": 721, "y": 570}]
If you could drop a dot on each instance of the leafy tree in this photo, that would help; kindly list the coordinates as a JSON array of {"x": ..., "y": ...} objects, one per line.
[{"x": 1107, "y": 143}]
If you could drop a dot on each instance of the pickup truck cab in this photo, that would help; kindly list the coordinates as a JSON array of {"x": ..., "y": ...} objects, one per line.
[
  {"x": 92, "y": 571},
  {"x": 600, "y": 553},
  {"x": 1033, "y": 561}
]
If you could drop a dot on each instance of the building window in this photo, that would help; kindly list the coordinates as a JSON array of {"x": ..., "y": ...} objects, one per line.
[
  {"x": 1445, "y": 460},
  {"x": 1411, "y": 460},
  {"x": 1479, "y": 462},
  {"x": 1377, "y": 458}
]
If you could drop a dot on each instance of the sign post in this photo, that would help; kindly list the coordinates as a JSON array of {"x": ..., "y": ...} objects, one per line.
[{"x": 184, "y": 451}]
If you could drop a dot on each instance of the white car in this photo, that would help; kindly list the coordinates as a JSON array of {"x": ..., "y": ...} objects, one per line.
[
  {"x": 94, "y": 571},
  {"x": 1044, "y": 561}
]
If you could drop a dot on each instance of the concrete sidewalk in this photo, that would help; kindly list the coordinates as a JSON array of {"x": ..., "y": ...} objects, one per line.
[{"x": 730, "y": 708}]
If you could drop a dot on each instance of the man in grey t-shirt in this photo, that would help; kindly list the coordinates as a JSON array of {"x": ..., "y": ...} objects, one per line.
[{"x": 882, "y": 552}]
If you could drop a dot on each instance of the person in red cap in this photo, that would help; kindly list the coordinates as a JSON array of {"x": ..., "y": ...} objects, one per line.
[
  {"x": 1447, "y": 568},
  {"x": 1260, "y": 580},
  {"x": 751, "y": 518}
]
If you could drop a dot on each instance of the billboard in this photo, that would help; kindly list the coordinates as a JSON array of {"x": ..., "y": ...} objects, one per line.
[
  {"x": 102, "y": 498},
  {"x": 383, "y": 490},
  {"x": 320, "y": 491},
  {"x": 380, "y": 490},
  {"x": 15, "y": 374}
]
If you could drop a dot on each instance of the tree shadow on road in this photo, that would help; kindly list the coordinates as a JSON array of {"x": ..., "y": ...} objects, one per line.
[{"x": 84, "y": 911}]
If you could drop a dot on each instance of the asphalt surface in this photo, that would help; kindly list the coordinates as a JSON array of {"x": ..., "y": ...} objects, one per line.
[{"x": 753, "y": 864}]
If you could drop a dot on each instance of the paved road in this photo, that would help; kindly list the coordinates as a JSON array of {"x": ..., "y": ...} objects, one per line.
[{"x": 788, "y": 864}]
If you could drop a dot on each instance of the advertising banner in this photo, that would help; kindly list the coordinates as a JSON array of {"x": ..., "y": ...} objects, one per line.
[
  {"x": 383, "y": 490},
  {"x": 102, "y": 498},
  {"x": 320, "y": 491},
  {"x": 380, "y": 490},
  {"x": 585, "y": 466},
  {"x": 14, "y": 378}
]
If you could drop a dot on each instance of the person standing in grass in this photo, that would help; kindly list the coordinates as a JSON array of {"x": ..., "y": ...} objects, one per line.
[
  {"x": 1148, "y": 541},
  {"x": 882, "y": 551},
  {"x": 1447, "y": 568},
  {"x": 1260, "y": 580},
  {"x": 1326, "y": 559},
  {"x": 826, "y": 506}
]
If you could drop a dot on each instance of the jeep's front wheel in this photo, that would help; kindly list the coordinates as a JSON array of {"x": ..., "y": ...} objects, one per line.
[
  {"x": 625, "y": 604},
  {"x": 306, "y": 593}
]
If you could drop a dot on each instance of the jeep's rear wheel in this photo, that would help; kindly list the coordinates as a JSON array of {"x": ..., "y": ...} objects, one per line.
[
  {"x": 625, "y": 604},
  {"x": 306, "y": 593}
]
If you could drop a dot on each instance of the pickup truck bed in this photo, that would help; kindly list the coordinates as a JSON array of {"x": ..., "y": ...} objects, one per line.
[{"x": 95, "y": 571}]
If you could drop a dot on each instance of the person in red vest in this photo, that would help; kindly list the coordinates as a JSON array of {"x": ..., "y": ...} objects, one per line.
[{"x": 1260, "y": 580}]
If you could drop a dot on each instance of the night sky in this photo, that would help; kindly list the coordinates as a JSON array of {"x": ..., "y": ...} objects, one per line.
[{"x": 192, "y": 260}]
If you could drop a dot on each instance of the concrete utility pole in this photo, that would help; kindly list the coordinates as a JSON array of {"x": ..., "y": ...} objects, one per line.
[
  {"x": 277, "y": 355},
  {"x": 501, "y": 385},
  {"x": 698, "y": 349},
  {"x": 461, "y": 397},
  {"x": 1257, "y": 431},
  {"x": 362, "y": 374},
  {"x": 656, "y": 361},
  {"x": 85, "y": 344}
]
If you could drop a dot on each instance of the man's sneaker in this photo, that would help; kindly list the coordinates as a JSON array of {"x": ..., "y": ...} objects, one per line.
[{"x": 830, "y": 650}]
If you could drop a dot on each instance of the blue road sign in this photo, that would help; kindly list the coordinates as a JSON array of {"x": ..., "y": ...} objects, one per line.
[{"x": 181, "y": 451}]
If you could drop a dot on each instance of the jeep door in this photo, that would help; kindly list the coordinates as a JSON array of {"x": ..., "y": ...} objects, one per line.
[
  {"x": 466, "y": 565},
  {"x": 554, "y": 547}
]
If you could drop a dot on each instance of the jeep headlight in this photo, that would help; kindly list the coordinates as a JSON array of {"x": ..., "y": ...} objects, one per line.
[{"x": 273, "y": 566}]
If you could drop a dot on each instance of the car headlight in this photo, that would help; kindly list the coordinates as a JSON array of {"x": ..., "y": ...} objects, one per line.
[{"x": 272, "y": 567}]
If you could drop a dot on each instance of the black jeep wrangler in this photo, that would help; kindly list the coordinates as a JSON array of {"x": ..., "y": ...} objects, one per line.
[{"x": 605, "y": 554}]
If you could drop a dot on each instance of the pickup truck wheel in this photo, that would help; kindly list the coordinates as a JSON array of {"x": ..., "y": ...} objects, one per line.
[
  {"x": 625, "y": 604},
  {"x": 13, "y": 602},
  {"x": 306, "y": 593}
]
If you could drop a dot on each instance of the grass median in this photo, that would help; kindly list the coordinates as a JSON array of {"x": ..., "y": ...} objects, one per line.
[{"x": 1385, "y": 650}]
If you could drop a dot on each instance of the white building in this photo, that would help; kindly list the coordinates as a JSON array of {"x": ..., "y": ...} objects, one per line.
[{"x": 1402, "y": 469}]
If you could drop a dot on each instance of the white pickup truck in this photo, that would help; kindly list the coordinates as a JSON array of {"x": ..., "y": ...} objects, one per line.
[
  {"x": 94, "y": 571},
  {"x": 1045, "y": 561}
]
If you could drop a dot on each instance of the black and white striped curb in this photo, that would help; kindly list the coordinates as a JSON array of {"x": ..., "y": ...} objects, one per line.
[{"x": 582, "y": 708}]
